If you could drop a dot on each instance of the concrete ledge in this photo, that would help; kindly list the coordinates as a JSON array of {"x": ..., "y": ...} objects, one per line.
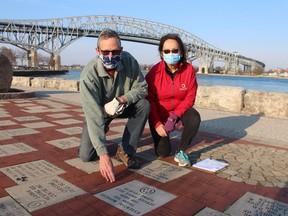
[
  {"x": 223, "y": 98},
  {"x": 269, "y": 103}
]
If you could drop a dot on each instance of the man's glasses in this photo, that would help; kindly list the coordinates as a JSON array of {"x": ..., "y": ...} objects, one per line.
[
  {"x": 173, "y": 51},
  {"x": 114, "y": 52}
]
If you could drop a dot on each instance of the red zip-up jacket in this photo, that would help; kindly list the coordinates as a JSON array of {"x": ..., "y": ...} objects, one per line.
[{"x": 170, "y": 96}]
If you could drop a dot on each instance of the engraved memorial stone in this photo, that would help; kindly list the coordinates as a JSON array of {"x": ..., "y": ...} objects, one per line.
[
  {"x": 13, "y": 149},
  {"x": 38, "y": 125},
  {"x": 59, "y": 115},
  {"x": 40, "y": 194},
  {"x": 252, "y": 204},
  {"x": 9, "y": 207},
  {"x": 208, "y": 211},
  {"x": 162, "y": 171},
  {"x": 65, "y": 143},
  {"x": 7, "y": 123},
  {"x": 135, "y": 197},
  {"x": 71, "y": 130},
  {"x": 67, "y": 121},
  {"x": 21, "y": 132},
  {"x": 27, "y": 118},
  {"x": 21, "y": 173}
]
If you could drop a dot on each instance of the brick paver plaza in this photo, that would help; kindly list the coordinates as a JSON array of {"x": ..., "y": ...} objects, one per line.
[{"x": 40, "y": 173}]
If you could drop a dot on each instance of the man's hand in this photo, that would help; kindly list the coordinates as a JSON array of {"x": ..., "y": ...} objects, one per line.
[
  {"x": 106, "y": 167},
  {"x": 115, "y": 107}
]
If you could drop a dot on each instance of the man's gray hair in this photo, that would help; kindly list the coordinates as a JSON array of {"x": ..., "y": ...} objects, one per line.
[{"x": 108, "y": 33}]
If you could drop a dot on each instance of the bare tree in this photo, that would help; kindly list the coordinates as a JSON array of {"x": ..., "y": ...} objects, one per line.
[
  {"x": 43, "y": 60},
  {"x": 9, "y": 53},
  {"x": 21, "y": 55}
]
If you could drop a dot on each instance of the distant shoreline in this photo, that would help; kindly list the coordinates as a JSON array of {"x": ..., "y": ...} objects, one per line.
[{"x": 37, "y": 73}]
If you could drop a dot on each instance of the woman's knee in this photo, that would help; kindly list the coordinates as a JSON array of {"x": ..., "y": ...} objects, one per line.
[{"x": 192, "y": 118}]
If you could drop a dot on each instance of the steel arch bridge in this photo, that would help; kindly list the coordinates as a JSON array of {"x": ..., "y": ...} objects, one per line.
[{"x": 54, "y": 35}]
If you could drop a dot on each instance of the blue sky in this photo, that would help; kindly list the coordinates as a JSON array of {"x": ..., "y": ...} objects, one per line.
[{"x": 254, "y": 28}]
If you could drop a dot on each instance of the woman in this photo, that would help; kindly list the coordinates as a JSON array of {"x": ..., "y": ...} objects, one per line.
[{"x": 172, "y": 88}]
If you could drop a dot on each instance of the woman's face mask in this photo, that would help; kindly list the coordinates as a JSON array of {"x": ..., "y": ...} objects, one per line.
[
  {"x": 110, "y": 62},
  {"x": 171, "y": 58}
]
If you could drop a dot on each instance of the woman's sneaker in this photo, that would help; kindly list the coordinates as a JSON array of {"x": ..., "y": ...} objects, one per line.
[{"x": 182, "y": 159}]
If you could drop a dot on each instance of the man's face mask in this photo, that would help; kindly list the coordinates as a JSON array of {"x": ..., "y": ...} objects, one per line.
[{"x": 110, "y": 62}]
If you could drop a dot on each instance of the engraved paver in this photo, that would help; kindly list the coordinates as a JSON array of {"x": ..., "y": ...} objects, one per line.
[
  {"x": 7, "y": 123},
  {"x": 162, "y": 171},
  {"x": 4, "y": 135},
  {"x": 21, "y": 132},
  {"x": 15, "y": 148},
  {"x": 27, "y": 118},
  {"x": 89, "y": 167},
  {"x": 71, "y": 130},
  {"x": 65, "y": 143},
  {"x": 29, "y": 171},
  {"x": 40, "y": 110},
  {"x": 208, "y": 211},
  {"x": 67, "y": 121},
  {"x": 4, "y": 115},
  {"x": 135, "y": 197},
  {"x": 9, "y": 207},
  {"x": 39, "y": 194},
  {"x": 253, "y": 204},
  {"x": 59, "y": 115},
  {"x": 38, "y": 125}
]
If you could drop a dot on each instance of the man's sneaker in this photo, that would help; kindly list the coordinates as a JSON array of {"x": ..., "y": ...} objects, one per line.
[
  {"x": 182, "y": 159},
  {"x": 129, "y": 160}
]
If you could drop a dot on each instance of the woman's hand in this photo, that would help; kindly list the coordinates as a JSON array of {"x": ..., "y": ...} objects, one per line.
[{"x": 161, "y": 131}]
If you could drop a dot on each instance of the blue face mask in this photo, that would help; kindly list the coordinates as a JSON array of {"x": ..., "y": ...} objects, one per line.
[
  {"x": 110, "y": 62},
  {"x": 171, "y": 58}
]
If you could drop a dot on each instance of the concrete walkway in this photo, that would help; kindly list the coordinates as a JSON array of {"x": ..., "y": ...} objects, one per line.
[{"x": 40, "y": 173}]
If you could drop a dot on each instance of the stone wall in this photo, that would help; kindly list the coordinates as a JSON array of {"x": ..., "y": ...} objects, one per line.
[{"x": 224, "y": 98}]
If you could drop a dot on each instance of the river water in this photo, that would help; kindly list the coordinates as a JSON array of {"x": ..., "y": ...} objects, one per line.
[{"x": 249, "y": 83}]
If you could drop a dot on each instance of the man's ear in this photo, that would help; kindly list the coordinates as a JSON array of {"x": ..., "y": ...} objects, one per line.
[{"x": 97, "y": 50}]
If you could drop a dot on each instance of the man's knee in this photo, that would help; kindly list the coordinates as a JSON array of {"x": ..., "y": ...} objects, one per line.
[
  {"x": 144, "y": 104},
  {"x": 84, "y": 157}
]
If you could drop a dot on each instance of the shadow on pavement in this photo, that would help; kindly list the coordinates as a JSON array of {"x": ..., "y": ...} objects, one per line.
[{"x": 221, "y": 131}]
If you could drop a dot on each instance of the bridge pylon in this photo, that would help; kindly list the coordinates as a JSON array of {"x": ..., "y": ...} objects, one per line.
[
  {"x": 55, "y": 62},
  {"x": 32, "y": 58}
]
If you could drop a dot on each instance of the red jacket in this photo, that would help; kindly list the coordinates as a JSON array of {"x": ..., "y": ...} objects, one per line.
[{"x": 167, "y": 96}]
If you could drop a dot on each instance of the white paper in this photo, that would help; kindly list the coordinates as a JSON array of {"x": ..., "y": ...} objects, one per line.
[{"x": 210, "y": 165}]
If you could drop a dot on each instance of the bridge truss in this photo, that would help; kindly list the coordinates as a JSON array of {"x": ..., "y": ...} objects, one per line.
[{"x": 54, "y": 35}]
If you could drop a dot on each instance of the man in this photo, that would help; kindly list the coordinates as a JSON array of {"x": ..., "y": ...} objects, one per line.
[{"x": 112, "y": 86}]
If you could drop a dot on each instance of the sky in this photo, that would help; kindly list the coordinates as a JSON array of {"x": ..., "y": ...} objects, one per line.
[{"x": 256, "y": 29}]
